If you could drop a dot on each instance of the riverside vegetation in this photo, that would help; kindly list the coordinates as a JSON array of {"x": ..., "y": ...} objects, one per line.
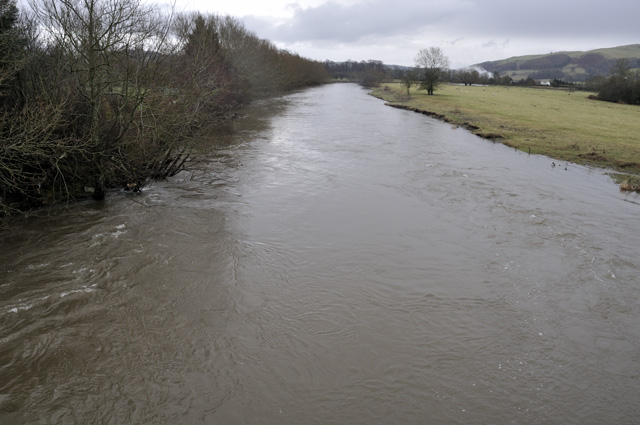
[
  {"x": 561, "y": 124},
  {"x": 99, "y": 94}
]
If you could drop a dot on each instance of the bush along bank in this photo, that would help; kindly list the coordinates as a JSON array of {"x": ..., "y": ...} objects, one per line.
[{"x": 112, "y": 93}]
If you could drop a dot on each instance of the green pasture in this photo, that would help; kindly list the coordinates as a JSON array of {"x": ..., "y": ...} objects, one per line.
[{"x": 562, "y": 124}]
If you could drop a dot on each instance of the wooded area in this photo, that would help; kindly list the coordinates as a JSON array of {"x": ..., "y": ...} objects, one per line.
[{"x": 97, "y": 94}]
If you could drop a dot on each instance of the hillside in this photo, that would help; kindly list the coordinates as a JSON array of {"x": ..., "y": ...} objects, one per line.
[{"x": 569, "y": 66}]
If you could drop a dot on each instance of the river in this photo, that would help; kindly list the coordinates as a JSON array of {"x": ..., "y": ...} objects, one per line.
[{"x": 333, "y": 261}]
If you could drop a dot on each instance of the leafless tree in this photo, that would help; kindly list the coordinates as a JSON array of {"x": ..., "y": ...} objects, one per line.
[
  {"x": 115, "y": 92},
  {"x": 113, "y": 52},
  {"x": 409, "y": 79},
  {"x": 431, "y": 62}
]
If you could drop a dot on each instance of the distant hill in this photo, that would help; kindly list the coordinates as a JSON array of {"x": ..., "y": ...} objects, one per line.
[{"x": 568, "y": 66}]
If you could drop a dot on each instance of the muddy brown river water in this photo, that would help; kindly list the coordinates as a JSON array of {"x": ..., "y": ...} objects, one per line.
[{"x": 334, "y": 261}]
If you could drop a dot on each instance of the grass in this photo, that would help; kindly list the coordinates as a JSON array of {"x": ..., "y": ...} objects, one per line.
[{"x": 561, "y": 124}]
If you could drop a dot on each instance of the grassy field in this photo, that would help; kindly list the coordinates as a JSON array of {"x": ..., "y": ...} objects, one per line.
[{"x": 561, "y": 124}]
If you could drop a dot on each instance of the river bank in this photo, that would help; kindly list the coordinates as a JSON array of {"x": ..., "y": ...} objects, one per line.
[{"x": 561, "y": 124}]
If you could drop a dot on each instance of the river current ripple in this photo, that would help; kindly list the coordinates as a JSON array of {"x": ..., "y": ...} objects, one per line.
[{"x": 333, "y": 261}]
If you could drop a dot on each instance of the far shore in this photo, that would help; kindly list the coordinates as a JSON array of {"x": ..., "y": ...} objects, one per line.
[{"x": 561, "y": 124}]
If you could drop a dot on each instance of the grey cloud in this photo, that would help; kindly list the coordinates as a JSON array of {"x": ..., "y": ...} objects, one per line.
[
  {"x": 490, "y": 44},
  {"x": 493, "y": 44},
  {"x": 333, "y": 22},
  {"x": 349, "y": 23},
  {"x": 471, "y": 31},
  {"x": 552, "y": 18}
]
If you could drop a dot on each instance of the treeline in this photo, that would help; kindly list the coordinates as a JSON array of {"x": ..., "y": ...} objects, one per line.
[
  {"x": 469, "y": 77},
  {"x": 475, "y": 76},
  {"x": 366, "y": 73},
  {"x": 373, "y": 72},
  {"x": 96, "y": 94},
  {"x": 622, "y": 85},
  {"x": 561, "y": 66}
]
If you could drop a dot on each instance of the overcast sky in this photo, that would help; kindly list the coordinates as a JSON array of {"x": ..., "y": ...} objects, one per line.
[{"x": 468, "y": 31}]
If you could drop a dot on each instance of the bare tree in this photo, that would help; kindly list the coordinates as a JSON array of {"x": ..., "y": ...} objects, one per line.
[
  {"x": 203, "y": 70},
  {"x": 113, "y": 93},
  {"x": 113, "y": 52},
  {"x": 431, "y": 62},
  {"x": 409, "y": 78}
]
